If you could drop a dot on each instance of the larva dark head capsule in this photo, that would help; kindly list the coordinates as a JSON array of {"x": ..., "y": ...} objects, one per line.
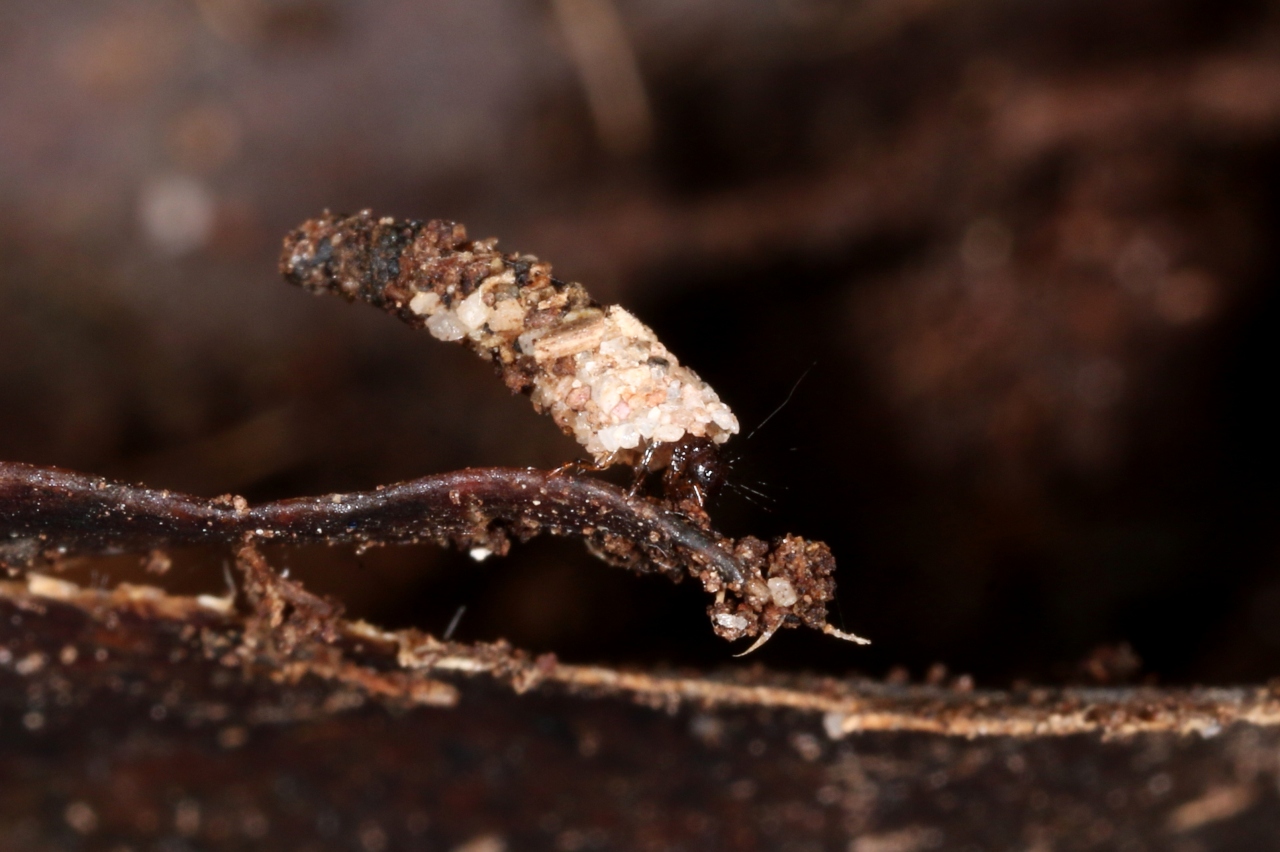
[{"x": 696, "y": 471}]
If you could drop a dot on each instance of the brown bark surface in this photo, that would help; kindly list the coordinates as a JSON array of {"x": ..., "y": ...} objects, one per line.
[{"x": 133, "y": 718}]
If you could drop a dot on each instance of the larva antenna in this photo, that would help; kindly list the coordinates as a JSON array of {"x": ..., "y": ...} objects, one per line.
[
  {"x": 601, "y": 374},
  {"x": 783, "y": 404}
]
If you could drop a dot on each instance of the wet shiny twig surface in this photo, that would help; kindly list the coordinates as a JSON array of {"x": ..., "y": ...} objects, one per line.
[{"x": 47, "y": 513}]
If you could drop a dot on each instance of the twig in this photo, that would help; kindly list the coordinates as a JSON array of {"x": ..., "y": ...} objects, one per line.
[{"x": 46, "y": 513}]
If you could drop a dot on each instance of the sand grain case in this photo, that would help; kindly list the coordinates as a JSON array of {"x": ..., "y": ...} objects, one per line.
[{"x": 602, "y": 375}]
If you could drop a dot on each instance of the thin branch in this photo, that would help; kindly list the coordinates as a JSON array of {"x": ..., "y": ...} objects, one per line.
[{"x": 47, "y": 513}]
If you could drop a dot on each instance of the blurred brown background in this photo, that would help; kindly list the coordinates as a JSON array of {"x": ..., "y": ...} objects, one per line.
[{"x": 1029, "y": 247}]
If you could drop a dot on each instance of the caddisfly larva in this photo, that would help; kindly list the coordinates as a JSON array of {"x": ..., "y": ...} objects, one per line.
[{"x": 602, "y": 375}]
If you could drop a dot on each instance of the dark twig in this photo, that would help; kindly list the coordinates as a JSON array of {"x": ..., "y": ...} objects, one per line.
[{"x": 46, "y": 513}]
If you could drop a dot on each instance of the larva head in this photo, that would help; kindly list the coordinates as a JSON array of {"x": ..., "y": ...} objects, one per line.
[{"x": 696, "y": 471}]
